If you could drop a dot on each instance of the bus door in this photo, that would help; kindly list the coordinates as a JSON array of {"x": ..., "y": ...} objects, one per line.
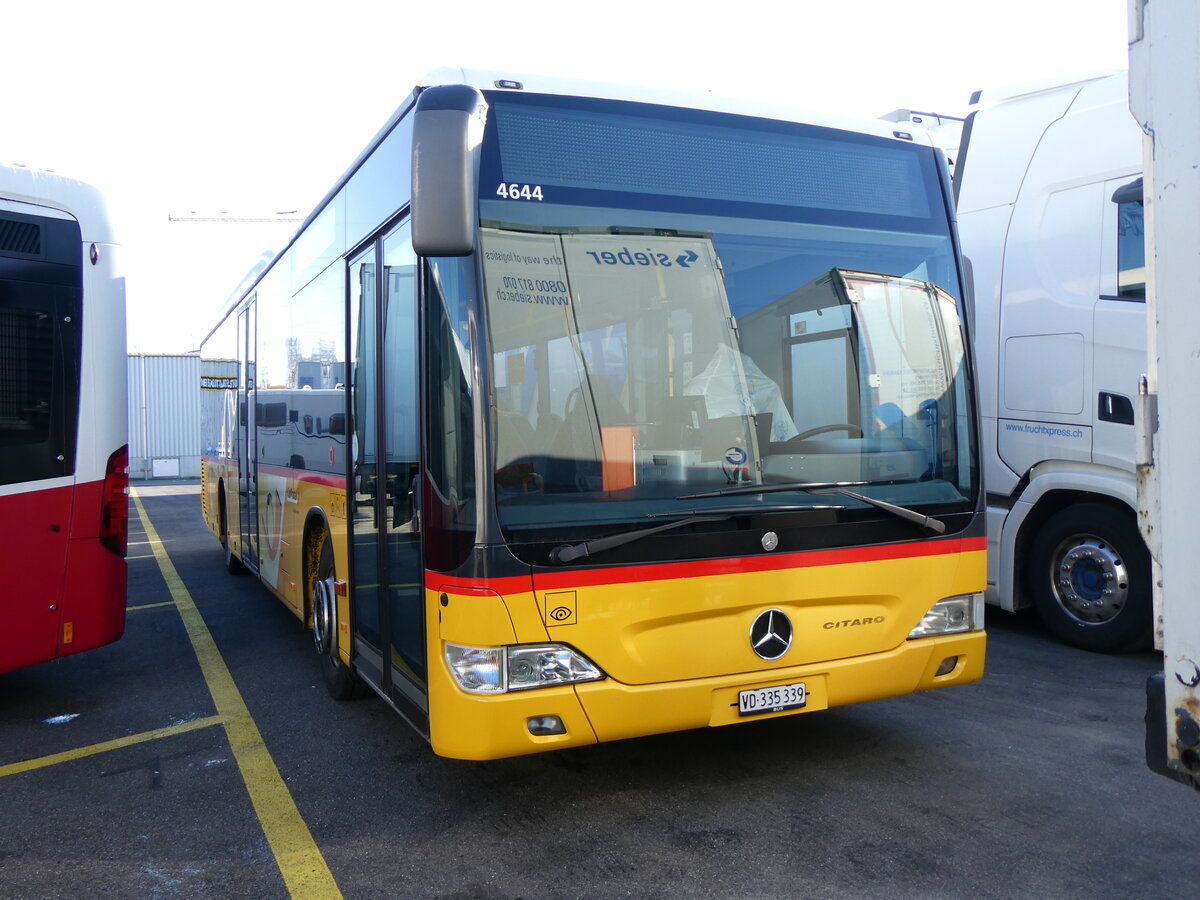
[
  {"x": 387, "y": 601},
  {"x": 248, "y": 440}
]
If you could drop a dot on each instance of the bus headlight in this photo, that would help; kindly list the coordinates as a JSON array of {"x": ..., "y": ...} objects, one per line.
[
  {"x": 496, "y": 670},
  {"x": 548, "y": 664},
  {"x": 951, "y": 616},
  {"x": 479, "y": 670}
]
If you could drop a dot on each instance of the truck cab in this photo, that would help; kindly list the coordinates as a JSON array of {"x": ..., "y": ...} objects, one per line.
[{"x": 1048, "y": 195}]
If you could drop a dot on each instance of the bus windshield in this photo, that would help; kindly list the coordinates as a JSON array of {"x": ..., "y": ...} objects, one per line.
[{"x": 679, "y": 302}]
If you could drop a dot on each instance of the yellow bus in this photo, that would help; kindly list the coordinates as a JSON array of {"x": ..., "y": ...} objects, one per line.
[{"x": 574, "y": 414}]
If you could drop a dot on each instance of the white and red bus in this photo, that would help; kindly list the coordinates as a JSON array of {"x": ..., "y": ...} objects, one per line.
[{"x": 63, "y": 453}]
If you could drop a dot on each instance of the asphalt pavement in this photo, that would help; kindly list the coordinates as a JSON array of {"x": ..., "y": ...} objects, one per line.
[{"x": 135, "y": 770}]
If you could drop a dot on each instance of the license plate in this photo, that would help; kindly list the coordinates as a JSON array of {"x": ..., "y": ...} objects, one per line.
[{"x": 772, "y": 699}]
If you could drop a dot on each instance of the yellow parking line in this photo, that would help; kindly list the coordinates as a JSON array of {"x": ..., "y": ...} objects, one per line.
[
  {"x": 301, "y": 864},
  {"x": 69, "y": 755},
  {"x": 149, "y": 606}
]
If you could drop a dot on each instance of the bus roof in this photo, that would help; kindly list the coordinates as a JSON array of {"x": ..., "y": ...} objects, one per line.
[
  {"x": 77, "y": 198},
  {"x": 491, "y": 80}
]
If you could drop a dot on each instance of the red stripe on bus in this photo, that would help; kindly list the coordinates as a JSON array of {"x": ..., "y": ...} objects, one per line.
[
  {"x": 333, "y": 481},
  {"x": 309, "y": 477},
  {"x": 709, "y": 567}
]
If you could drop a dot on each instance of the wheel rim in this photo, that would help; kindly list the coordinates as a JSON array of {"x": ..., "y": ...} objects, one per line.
[
  {"x": 323, "y": 615},
  {"x": 1089, "y": 579}
]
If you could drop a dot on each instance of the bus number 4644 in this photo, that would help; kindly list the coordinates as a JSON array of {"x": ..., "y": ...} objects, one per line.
[{"x": 520, "y": 191}]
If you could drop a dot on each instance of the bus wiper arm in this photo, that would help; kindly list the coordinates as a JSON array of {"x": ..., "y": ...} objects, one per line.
[
  {"x": 830, "y": 487},
  {"x": 773, "y": 488},
  {"x": 934, "y": 525},
  {"x": 727, "y": 511},
  {"x": 567, "y": 553}
]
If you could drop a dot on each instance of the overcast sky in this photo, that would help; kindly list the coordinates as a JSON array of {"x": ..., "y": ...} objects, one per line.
[{"x": 259, "y": 106}]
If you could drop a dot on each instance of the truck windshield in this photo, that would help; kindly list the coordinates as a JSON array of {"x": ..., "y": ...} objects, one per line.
[{"x": 678, "y": 302}]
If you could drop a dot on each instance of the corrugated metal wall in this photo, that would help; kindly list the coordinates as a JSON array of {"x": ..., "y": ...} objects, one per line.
[{"x": 164, "y": 416}]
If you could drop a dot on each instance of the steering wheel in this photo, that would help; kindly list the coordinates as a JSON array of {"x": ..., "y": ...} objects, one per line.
[{"x": 850, "y": 429}]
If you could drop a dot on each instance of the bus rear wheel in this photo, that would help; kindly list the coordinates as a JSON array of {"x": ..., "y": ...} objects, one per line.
[
  {"x": 339, "y": 679},
  {"x": 1089, "y": 577},
  {"x": 233, "y": 565}
]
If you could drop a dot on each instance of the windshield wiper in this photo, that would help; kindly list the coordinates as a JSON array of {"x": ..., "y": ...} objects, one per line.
[
  {"x": 828, "y": 487},
  {"x": 566, "y": 553},
  {"x": 773, "y": 487},
  {"x": 741, "y": 510}
]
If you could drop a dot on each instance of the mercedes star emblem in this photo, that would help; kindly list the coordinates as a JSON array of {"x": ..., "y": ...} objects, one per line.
[{"x": 771, "y": 634}]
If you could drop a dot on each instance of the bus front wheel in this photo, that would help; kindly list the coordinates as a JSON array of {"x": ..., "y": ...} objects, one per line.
[
  {"x": 341, "y": 682},
  {"x": 1089, "y": 576}
]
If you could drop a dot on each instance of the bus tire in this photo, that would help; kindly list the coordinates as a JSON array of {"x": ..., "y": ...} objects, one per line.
[
  {"x": 1089, "y": 576},
  {"x": 340, "y": 680},
  {"x": 233, "y": 565}
]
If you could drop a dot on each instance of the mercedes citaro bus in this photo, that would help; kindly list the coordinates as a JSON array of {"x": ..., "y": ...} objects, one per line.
[{"x": 577, "y": 413}]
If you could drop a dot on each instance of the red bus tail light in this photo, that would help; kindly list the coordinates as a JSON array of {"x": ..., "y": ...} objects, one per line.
[{"x": 114, "y": 503}]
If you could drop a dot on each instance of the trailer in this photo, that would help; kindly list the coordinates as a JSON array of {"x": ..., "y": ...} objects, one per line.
[{"x": 1164, "y": 95}]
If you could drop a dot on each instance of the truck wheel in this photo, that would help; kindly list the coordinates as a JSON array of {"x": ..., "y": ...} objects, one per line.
[
  {"x": 341, "y": 682},
  {"x": 1089, "y": 577}
]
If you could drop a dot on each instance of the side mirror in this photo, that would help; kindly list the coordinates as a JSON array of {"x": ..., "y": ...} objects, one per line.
[{"x": 447, "y": 130}]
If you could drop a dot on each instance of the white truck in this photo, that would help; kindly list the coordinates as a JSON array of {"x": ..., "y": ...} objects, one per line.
[
  {"x": 1164, "y": 94},
  {"x": 1048, "y": 193}
]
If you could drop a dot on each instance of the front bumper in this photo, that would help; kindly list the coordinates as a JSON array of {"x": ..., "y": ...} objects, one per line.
[{"x": 464, "y": 726}]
